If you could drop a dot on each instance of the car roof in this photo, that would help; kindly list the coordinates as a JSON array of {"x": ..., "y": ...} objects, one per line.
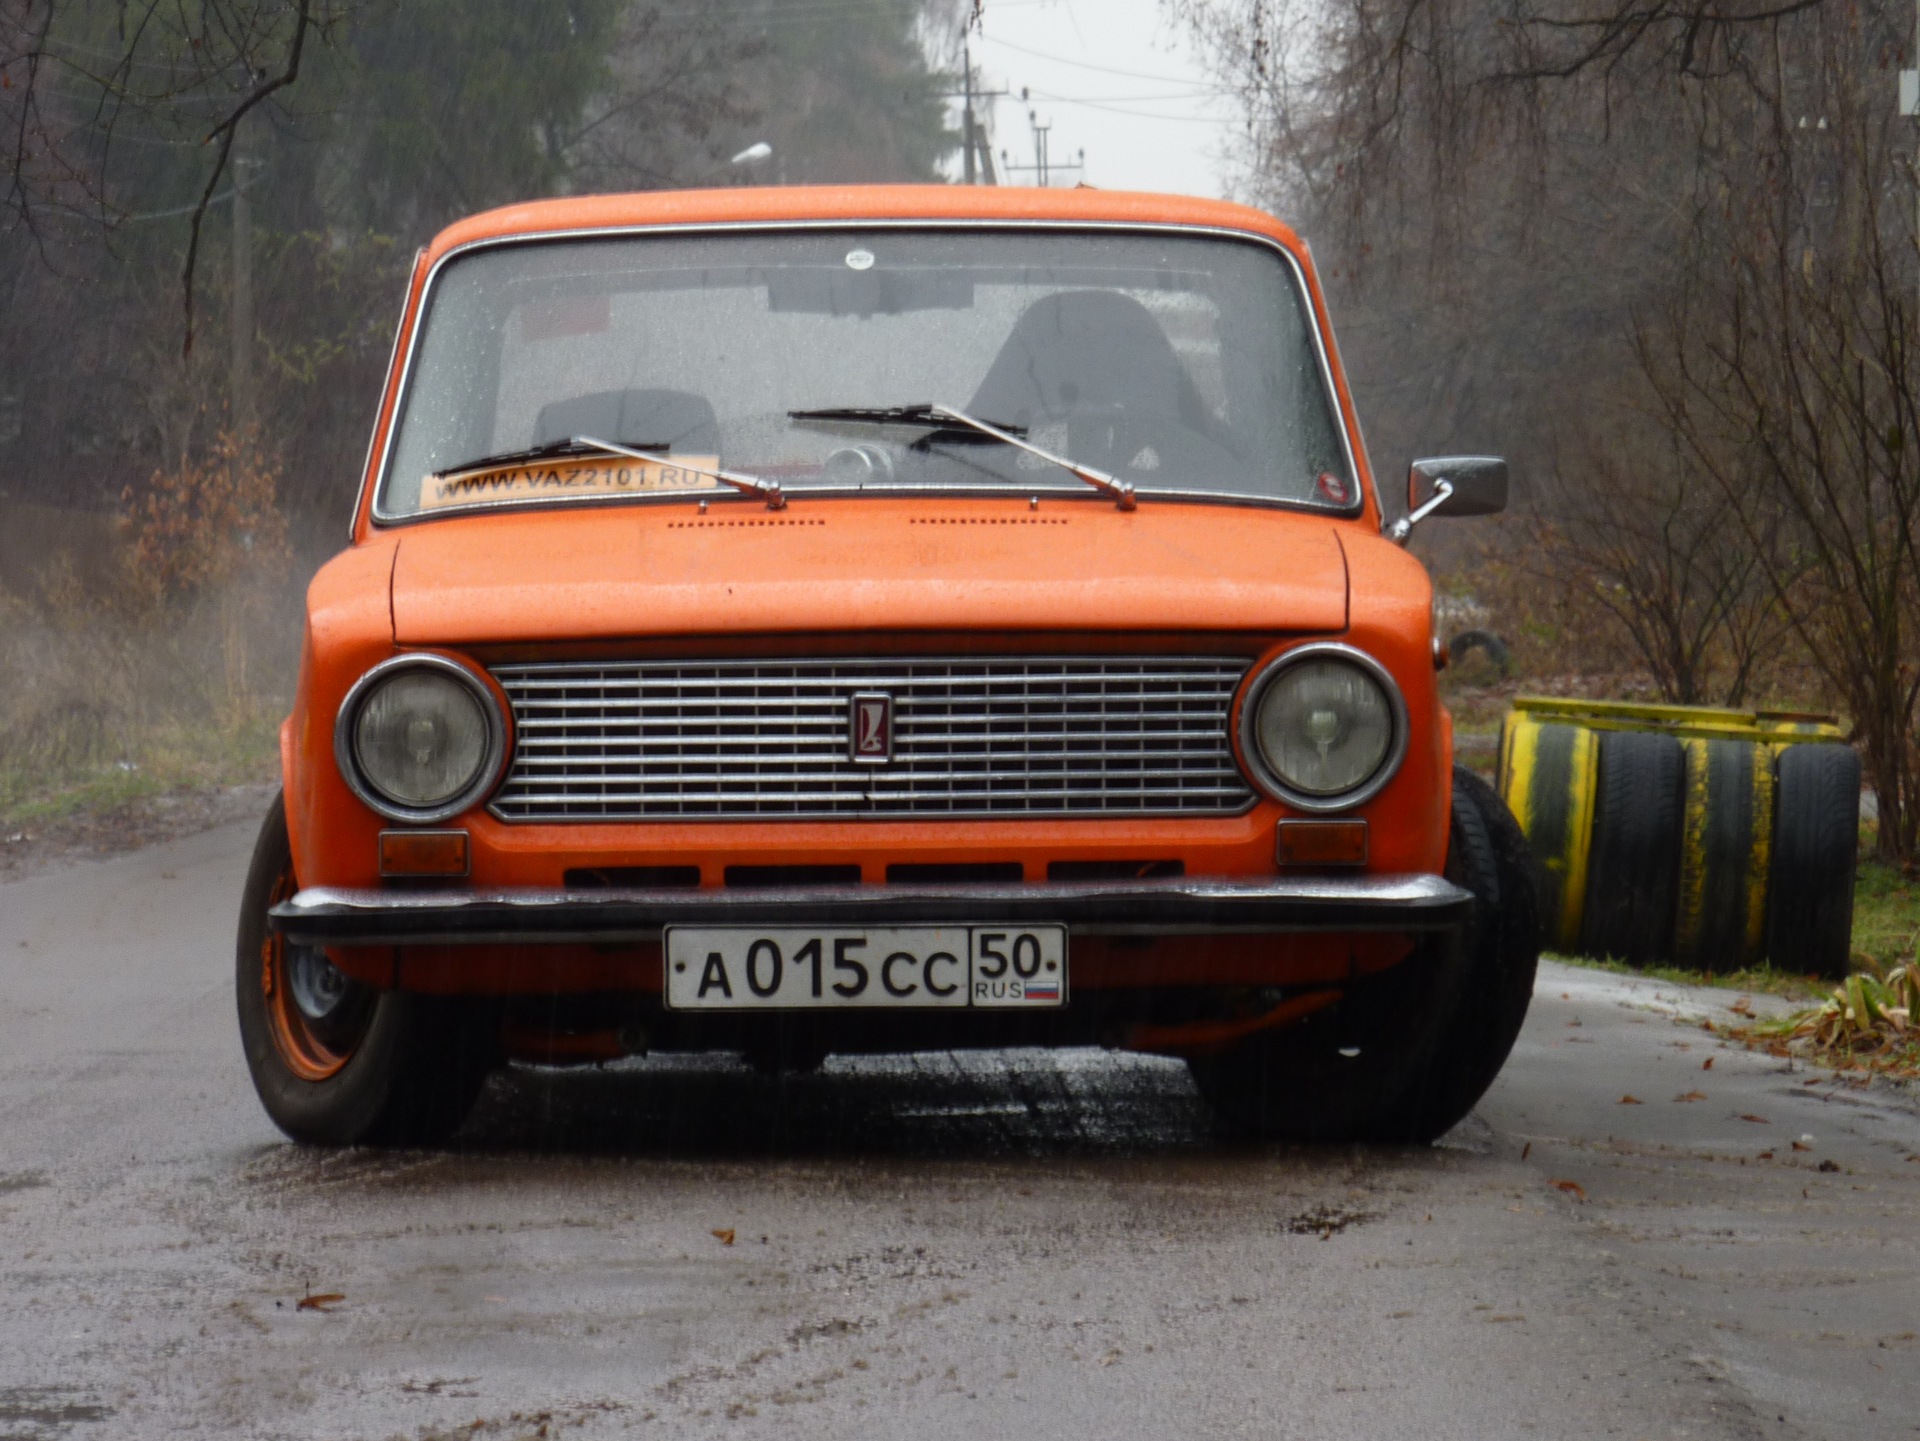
[{"x": 854, "y": 203}]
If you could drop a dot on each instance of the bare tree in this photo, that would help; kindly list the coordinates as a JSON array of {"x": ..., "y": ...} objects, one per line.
[
  {"x": 74, "y": 77},
  {"x": 1657, "y": 548},
  {"x": 1787, "y": 368},
  {"x": 1697, "y": 212}
]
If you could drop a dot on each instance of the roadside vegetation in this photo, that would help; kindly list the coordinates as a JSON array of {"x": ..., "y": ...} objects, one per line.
[
  {"x": 1869, "y": 1022},
  {"x": 171, "y": 666}
]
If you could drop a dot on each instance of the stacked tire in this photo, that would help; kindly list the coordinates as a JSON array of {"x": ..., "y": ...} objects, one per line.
[
  {"x": 1633, "y": 866},
  {"x": 1710, "y": 852},
  {"x": 1810, "y": 879}
]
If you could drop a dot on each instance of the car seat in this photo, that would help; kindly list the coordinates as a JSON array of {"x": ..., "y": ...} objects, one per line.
[{"x": 1081, "y": 351}]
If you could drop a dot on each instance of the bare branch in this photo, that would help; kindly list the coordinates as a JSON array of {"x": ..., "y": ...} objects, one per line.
[{"x": 224, "y": 132}]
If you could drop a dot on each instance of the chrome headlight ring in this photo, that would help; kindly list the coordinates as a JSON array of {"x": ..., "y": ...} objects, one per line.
[
  {"x": 493, "y": 761},
  {"x": 1254, "y": 760}
]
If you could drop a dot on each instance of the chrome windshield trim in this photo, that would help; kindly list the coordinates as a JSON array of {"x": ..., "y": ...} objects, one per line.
[
  {"x": 1329, "y": 391},
  {"x": 373, "y": 435}
]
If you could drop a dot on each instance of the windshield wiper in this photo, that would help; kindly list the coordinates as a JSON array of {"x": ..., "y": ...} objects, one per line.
[
  {"x": 552, "y": 450},
  {"x": 925, "y": 415},
  {"x": 755, "y": 485},
  {"x": 929, "y": 414}
]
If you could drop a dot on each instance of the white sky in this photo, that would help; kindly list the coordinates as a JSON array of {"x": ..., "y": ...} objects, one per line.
[{"x": 1115, "y": 78}]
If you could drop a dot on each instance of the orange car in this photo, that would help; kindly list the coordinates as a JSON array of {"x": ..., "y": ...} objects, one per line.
[{"x": 853, "y": 620}]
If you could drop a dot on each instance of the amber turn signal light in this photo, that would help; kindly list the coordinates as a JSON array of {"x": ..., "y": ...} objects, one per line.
[
  {"x": 423, "y": 853},
  {"x": 1321, "y": 843}
]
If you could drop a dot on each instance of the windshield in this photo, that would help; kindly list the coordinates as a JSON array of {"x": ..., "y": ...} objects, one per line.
[{"x": 1177, "y": 363}]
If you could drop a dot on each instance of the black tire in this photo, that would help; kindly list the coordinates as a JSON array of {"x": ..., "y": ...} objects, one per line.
[
  {"x": 1484, "y": 641},
  {"x": 1430, "y": 1034},
  {"x": 405, "y": 1069},
  {"x": 1633, "y": 870},
  {"x": 1816, "y": 839}
]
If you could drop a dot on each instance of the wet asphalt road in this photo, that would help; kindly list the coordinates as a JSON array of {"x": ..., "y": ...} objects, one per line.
[{"x": 941, "y": 1246}]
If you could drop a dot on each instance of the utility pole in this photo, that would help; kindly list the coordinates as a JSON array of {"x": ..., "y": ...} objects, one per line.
[
  {"x": 1042, "y": 167},
  {"x": 1910, "y": 106},
  {"x": 966, "y": 109},
  {"x": 973, "y": 141}
]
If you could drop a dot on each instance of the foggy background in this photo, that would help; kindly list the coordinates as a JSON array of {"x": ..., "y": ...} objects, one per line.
[{"x": 1660, "y": 254}]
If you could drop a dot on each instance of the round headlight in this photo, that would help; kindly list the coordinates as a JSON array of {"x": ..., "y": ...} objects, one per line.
[
  {"x": 1325, "y": 723},
  {"x": 420, "y": 736}
]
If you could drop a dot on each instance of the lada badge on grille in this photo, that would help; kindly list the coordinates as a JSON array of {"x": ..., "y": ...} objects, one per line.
[{"x": 870, "y": 726}]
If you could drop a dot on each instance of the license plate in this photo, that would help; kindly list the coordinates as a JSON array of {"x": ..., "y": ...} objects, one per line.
[{"x": 739, "y": 968}]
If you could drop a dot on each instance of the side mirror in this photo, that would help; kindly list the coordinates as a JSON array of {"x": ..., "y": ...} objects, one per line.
[{"x": 1453, "y": 485}]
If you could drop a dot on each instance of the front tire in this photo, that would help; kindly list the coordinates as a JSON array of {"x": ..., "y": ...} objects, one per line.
[
  {"x": 1403, "y": 1056},
  {"x": 335, "y": 1062}
]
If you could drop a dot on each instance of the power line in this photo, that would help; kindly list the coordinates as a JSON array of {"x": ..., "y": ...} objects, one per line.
[
  {"x": 1138, "y": 114},
  {"x": 1085, "y": 64},
  {"x": 1135, "y": 99}
]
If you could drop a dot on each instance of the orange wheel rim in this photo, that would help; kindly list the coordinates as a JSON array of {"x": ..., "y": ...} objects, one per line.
[{"x": 300, "y": 1048}]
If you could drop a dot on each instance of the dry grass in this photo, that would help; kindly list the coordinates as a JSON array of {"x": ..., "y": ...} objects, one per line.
[
  {"x": 97, "y": 709},
  {"x": 1869, "y": 1022},
  {"x": 164, "y": 663}
]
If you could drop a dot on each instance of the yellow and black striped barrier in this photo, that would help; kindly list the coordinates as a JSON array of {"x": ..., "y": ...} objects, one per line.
[
  {"x": 1684, "y": 834},
  {"x": 1726, "y": 849},
  {"x": 1547, "y": 772}
]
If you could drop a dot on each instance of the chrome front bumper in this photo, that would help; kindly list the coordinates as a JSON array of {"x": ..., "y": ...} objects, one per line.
[{"x": 327, "y": 917}]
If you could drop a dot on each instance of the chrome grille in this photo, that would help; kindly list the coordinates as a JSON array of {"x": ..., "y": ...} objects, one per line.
[{"x": 1036, "y": 736}]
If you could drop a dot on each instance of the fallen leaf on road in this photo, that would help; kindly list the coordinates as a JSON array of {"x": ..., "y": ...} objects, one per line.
[
  {"x": 1506, "y": 1318},
  {"x": 1707, "y": 1065},
  {"x": 1527, "y": 1150},
  {"x": 1742, "y": 1007},
  {"x": 324, "y": 1301},
  {"x": 1828, "y": 1166},
  {"x": 1798, "y": 1147},
  {"x": 1757, "y": 1120},
  {"x": 1764, "y": 1156},
  {"x": 725, "y": 1238},
  {"x": 1915, "y": 1157},
  {"x": 1572, "y": 1188},
  {"x": 1629, "y": 1101},
  {"x": 1691, "y": 1096}
]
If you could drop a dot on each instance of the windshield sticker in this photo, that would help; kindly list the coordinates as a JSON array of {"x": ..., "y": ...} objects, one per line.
[{"x": 585, "y": 478}]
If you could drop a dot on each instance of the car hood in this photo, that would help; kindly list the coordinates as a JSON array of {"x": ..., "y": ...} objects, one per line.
[{"x": 865, "y": 564}]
